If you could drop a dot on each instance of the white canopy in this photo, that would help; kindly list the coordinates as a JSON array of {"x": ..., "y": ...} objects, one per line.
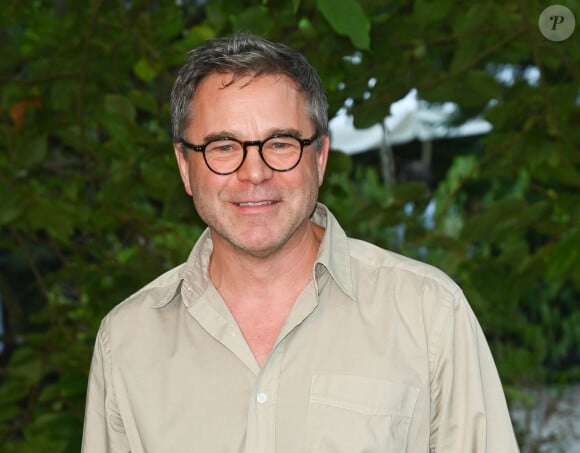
[{"x": 409, "y": 119}]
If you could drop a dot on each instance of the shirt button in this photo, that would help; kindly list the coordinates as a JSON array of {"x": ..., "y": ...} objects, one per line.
[{"x": 261, "y": 398}]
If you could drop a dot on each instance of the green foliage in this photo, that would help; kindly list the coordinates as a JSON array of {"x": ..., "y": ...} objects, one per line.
[
  {"x": 92, "y": 206},
  {"x": 347, "y": 18}
]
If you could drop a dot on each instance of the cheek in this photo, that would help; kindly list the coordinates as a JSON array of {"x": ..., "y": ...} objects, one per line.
[
  {"x": 205, "y": 187},
  {"x": 197, "y": 174},
  {"x": 198, "y": 189},
  {"x": 314, "y": 172}
]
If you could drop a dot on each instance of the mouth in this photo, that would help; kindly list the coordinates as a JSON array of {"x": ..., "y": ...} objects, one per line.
[{"x": 255, "y": 203}]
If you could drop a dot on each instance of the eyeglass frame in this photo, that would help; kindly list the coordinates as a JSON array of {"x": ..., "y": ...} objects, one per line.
[{"x": 259, "y": 143}]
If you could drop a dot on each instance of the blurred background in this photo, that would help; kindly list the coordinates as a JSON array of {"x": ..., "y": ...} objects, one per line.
[{"x": 456, "y": 140}]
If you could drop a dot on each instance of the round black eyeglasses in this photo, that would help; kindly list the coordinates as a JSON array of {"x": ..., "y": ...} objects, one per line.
[{"x": 224, "y": 156}]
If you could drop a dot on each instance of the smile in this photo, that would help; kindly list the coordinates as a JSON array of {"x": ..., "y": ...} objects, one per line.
[{"x": 255, "y": 203}]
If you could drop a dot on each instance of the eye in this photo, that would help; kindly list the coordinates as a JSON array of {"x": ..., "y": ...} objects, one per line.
[
  {"x": 283, "y": 143},
  {"x": 223, "y": 146}
]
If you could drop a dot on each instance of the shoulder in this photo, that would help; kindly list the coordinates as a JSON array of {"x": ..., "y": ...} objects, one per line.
[
  {"x": 365, "y": 253},
  {"x": 155, "y": 294},
  {"x": 130, "y": 331},
  {"x": 422, "y": 297},
  {"x": 404, "y": 277}
]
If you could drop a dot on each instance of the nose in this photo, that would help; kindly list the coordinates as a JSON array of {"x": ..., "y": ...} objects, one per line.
[{"x": 254, "y": 169}]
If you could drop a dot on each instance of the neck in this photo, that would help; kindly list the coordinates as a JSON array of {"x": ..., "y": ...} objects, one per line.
[{"x": 250, "y": 279}]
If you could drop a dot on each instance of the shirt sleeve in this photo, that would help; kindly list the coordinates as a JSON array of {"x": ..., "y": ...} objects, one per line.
[
  {"x": 103, "y": 429},
  {"x": 469, "y": 410}
]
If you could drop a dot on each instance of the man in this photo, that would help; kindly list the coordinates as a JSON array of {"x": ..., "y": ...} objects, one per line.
[{"x": 279, "y": 333}]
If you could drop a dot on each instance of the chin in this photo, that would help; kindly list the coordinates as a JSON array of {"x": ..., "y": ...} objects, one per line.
[
  {"x": 259, "y": 249},
  {"x": 258, "y": 245}
]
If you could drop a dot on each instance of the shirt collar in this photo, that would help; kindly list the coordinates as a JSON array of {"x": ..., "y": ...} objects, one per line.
[
  {"x": 333, "y": 254},
  {"x": 333, "y": 257},
  {"x": 192, "y": 274}
]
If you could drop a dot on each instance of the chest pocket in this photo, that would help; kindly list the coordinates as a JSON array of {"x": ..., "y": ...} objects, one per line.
[{"x": 352, "y": 414}]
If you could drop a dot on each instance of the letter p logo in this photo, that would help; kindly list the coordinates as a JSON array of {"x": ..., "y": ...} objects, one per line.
[
  {"x": 557, "y": 20},
  {"x": 557, "y": 23}
]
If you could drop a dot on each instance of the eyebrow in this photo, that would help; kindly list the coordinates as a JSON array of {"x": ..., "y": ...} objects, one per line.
[{"x": 223, "y": 134}]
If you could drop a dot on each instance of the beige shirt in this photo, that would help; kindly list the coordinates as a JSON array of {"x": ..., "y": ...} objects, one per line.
[{"x": 380, "y": 353}]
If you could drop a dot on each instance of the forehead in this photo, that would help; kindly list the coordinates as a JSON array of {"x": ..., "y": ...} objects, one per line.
[
  {"x": 229, "y": 84},
  {"x": 248, "y": 103}
]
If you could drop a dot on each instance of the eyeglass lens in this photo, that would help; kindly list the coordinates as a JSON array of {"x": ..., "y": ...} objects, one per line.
[{"x": 279, "y": 153}]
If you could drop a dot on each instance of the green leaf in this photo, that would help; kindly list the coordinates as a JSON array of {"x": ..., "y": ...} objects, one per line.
[
  {"x": 499, "y": 219},
  {"x": 410, "y": 191},
  {"x": 118, "y": 118},
  {"x": 295, "y": 6},
  {"x": 52, "y": 429},
  {"x": 144, "y": 70},
  {"x": 11, "y": 391},
  {"x": 144, "y": 100},
  {"x": 428, "y": 12},
  {"x": 347, "y": 18},
  {"x": 120, "y": 107},
  {"x": 565, "y": 256},
  {"x": 61, "y": 95},
  {"x": 167, "y": 23},
  {"x": 56, "y": 217},
  {"x": 33, "y": 150},
  {"x": 196, "y": 35},
  {"x": 26, "y": 364},
  {"x": 11, "y": 208},
  {"x": 338, "y": 163},
  {"x": 255, "y": 19}
]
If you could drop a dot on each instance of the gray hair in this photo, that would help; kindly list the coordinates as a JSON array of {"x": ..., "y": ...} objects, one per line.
[{"x": 241, "y": 55}]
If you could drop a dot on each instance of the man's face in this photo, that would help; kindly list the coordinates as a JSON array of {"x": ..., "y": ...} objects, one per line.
[{"x": 256, "y": 210}]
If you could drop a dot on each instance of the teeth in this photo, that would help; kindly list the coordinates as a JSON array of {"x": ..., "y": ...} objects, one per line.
[{"x": 254, "y": 203}]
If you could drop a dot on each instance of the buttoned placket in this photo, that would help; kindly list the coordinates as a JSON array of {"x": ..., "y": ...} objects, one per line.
[
  {"x": 261, "y": 418},
  {"x": 261, "y": 429},
  {"x": 222, "y": 328}
]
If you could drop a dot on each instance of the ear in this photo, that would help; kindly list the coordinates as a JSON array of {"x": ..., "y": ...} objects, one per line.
[
  {"x": 183, "y": 165},
  {"x": 322, "y": 157}
]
